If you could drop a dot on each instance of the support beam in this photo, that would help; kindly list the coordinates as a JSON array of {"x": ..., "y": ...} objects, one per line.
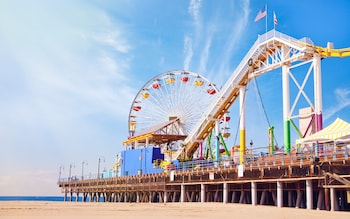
[
  {"x": 174, "y": 196},
  {"x": 217, "y": 133},
  {"x": 91, "y": 197},
  {"x": 160, "y": 197},
  {"x": 188, "y": 196},
  {"x": 242, "y": 136},
  {"x": 147, "y": 142},
  {"x": 309, "y": 195},
  {"x": 290, "y": 199},
  {"x": 326, "y": 199},
  {"x": 203, "y": 192},
  {"x": 216, "y": 196},
  {"x": 271, "y": 141},
  {"x": 225, "y": 193},
  {"x": 77, "y": 198},
  {"x": 299, "y": 198},
  {"x": 242, "y": 197},
  {"x": 279, "y": 194},
  {"x": 234, "y": 197},
  {"x": 320, "y": 200},
  {"x": 274, "y": 197},
  {"x": 334, "y": 203},
  {"x": 137, "y": 197},
  {"x": 165, "y": 197},
  {"x": 263, "y": 197},
  {"x": 182, "y": 195},
  {"x": 286, "y": 99},
  {"x": 254, "y": 193},
  {"x": 318, "y": 91}
]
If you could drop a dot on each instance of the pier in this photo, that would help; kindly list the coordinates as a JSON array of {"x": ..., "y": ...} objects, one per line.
[{"x": 281, "y": 181}]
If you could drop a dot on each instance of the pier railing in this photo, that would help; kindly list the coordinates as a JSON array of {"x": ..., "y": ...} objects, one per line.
[{"x": 251, "y": 161}]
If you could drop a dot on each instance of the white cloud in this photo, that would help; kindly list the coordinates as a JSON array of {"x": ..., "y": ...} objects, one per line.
[
  {"x": 214, "y": 43},
  {"x": 343, "y": 100},
  {"x": 114, "y": 39},
  {"x": 188, "y": 52},
  {"x": 205, "y": 54},
  {"x": 234, "y": 38},
  {"x": 193, "y": 8}
]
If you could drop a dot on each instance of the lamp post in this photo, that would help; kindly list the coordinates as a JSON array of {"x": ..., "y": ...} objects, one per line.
[
  {"x": 82, "y": 168},
  {"x": 102, "y": 158},
  {"x": 251, "y": 151},
  {"x": 59, "y": 173},
  {"x": 70, "y": 170}
]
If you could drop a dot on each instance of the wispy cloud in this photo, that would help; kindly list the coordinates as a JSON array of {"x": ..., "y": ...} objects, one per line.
[
  {"x": 193, "y": 8},
  {"x": 188, "y": 52},
  {"x": 342, "y": 96},
  {"x": 114, "y": 39},
  {"x": 194, "y": 11},
  {"x": 205, "y": 55},
  {"x": 238, "y": 29},
  {"x": 211, "y": 38}
]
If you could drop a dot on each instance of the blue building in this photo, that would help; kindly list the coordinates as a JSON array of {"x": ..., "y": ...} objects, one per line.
[{"x": 140, "y": 161}]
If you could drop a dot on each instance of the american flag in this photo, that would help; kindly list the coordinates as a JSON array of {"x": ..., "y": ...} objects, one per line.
[
  {"x": 261, "y": 14},
  {"x": 275, "y": 19}
]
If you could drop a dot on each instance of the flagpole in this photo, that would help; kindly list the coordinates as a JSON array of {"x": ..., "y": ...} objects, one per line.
[
  {"x": 266, "y": 23},
  {"x": 266, "y": 19},
  {"x": 274, "y": 24}
]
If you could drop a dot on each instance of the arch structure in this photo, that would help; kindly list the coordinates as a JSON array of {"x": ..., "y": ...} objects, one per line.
[{"x": 273, "y": 50}]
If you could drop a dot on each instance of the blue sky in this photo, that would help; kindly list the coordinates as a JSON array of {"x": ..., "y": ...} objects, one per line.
[{"x": 69, "y": 71}]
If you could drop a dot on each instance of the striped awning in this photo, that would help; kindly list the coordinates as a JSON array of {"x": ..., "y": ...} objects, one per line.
[{"x": 337, "y": 130}]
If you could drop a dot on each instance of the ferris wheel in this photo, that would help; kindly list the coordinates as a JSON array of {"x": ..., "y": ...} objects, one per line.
[{"x": 177, "y": 94}]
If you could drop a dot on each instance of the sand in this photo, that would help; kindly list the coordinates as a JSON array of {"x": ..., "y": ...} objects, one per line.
[{"x": 44, "y": 210}]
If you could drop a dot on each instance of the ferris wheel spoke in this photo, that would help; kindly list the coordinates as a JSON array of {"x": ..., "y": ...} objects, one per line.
[
  {"x": 170, "y": 94},
  {"x": 160, "y": 100},
  {"x": 158, "y": 106}
]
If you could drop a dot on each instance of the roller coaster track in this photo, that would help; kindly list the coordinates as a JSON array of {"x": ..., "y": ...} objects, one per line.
[{"x": 270, "y": 51}]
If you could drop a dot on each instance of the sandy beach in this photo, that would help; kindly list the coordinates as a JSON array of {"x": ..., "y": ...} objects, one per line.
[{"x": 44, "y": 210}]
